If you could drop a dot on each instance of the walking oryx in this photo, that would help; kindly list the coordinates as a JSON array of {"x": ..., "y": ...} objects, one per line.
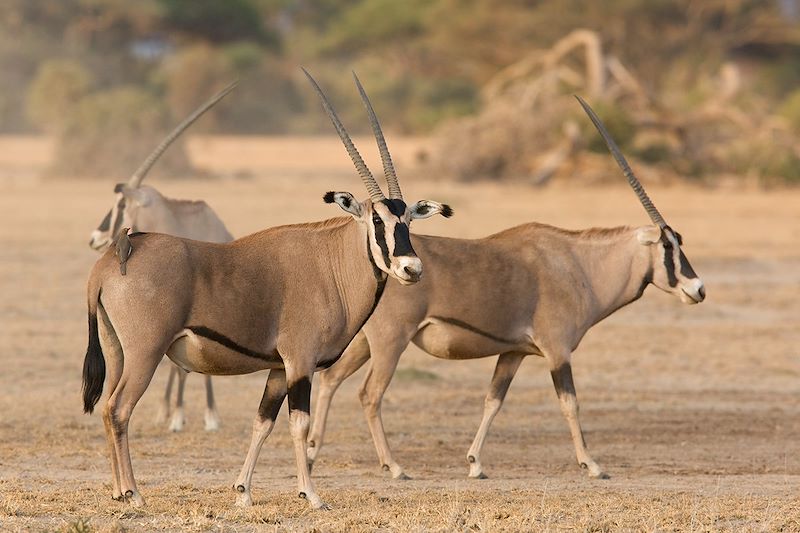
[
  {"x": 144, "y": 209},
  {"x": 529, "y": 290},
  {"x": 289, "y": 298}
]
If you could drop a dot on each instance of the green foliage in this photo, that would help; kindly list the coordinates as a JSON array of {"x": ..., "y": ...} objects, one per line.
[{"x": 58, "y": 86}]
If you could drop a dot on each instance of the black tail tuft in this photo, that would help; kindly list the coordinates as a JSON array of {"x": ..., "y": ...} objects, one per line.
[
  {"x": 329, "y": 197},
  {"x": 94, "y": 368},
  {"x": 447, "y": 211}
]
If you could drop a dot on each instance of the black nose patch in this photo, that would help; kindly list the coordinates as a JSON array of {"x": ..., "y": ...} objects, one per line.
[{"x": 402, "y": 241}]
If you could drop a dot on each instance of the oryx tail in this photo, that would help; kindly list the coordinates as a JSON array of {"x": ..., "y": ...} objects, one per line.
[{"x": 94, "y": 366}]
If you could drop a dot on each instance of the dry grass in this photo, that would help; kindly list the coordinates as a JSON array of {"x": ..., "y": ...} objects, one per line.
[{"x": 695, "y": 411}]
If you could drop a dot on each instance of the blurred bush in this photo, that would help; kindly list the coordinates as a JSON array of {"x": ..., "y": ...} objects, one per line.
[
  {"x": 426, "y": 63},
  {"x": 110, "y": 133}
]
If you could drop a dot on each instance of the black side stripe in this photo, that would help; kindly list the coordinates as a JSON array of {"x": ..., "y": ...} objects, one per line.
[
  {"x": 469, "y": 327},
  {"x": 219, "y": 338}
]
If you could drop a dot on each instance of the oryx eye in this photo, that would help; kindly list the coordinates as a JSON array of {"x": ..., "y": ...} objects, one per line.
[{"x": 376, "y": 219}]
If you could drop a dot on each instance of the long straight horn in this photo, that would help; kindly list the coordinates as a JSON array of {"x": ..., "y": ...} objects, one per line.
[
  {"x": 386, "y": 159},
  {"x": 137, "y": 177},
  {"x": 373, "y": 188},
  {"x": 655, "y": 216}
]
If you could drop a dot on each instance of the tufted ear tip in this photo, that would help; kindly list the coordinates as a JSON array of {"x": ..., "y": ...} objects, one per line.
[
  {"x": 447, "y": 211},
  {"x": 328, "y": 197}
]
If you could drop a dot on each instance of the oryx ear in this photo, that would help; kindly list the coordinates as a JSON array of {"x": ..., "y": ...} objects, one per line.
[
  {"x": 346, "y": 201},
  {"x": 648, "y": 234},
  {"x": 428, "y": 208},
  {"x": 134, "y": 194}
]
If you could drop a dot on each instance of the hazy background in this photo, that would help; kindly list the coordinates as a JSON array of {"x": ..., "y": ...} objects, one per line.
[{"x": 706, "y": 91}]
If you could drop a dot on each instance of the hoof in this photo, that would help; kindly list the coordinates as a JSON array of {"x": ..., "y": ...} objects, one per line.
[
  {"x": 117, "y": 498},
  {"x": 402, "y": 476},
  {"x": 480, "y": 475},
  {"x": 212, "y": 421},
  {"x": 601, "y": 475},
  {"x": 134, "y": 498},
  {"x": 324, "y": 507},
  {"x": 177, "y": 422},
  {"x": 244, "y": 500}
]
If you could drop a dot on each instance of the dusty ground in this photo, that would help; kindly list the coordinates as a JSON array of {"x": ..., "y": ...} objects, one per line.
[{"x": 694, "y": 411}]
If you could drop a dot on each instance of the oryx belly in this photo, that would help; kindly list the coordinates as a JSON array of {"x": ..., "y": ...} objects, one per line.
[
  {"x": 199, "y": 353},
  {"x": 450, "y": 338}
]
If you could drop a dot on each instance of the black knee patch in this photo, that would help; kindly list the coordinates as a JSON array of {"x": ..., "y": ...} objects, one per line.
[{"x": 300, "y": 395}]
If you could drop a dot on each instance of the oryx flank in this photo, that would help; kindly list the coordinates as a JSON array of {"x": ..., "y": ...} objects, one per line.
[
  {"x": 289, "y": 299},
  {"x": 144, "y": 209},
  {"x": 530, "y": 290}
]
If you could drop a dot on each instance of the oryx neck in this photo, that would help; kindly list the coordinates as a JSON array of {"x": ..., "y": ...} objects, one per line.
[{"x": 618, "y": 268}]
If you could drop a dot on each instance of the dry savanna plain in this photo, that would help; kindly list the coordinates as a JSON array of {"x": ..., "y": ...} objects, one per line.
[{"x": 694, "y": 411}]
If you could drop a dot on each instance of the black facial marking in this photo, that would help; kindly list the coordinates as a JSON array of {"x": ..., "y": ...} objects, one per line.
[
  {"x": 380, "y": 238},
  {"x": 219, "y": 338},
  {"x": 396, "y": 206},
  {"x": 118, "y": 220},
  {"x": 329, "y": 197},
  {"x": 686, "y": 269},
  {"x": 104, "y": 225},
  {"x": 669, "y": 263},
  {"x": 300, "y": 395},
  {"x": 469, "y": 327},
  {"x": 402, "y": 241}
]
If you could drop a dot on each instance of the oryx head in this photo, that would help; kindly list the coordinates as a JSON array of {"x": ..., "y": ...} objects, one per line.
[
  {"x": 671, "y": 271},
  {"x": 130, "y": 198},
  {"x": 387, "y": 220}
]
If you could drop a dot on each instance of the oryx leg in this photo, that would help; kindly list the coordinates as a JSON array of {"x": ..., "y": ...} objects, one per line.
[
  {"x": 561, "y": 371},
  {"x": 112, "y": 354},
  {"x": 271, "y": 401},
  {"x": 166, "y": 405},
  {"x": 179, "y": 416},
  {"x": 138, "y": 370},
  {"x": 504, "y": 371},
  {"x": 211, "y": 416},
  {"x": 386, "y": 353},
  {"x": 298, "y": 378},
  {"x": 353, "y": 358}
]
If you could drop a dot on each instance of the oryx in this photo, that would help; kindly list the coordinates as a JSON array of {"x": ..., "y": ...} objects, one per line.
[
  {"x": 529, "y": 290},
  {"x": 289, "y": 298},
  {"x": 143, "y": 209}
]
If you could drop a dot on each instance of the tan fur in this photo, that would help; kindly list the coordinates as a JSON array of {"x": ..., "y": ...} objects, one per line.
[{"x": 531, "y": 290}]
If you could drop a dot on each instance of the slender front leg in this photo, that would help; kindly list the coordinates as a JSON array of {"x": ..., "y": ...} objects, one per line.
[
  {"x": 179, "y": 416},
  {"x": 212, "y": 417},
  {"x": 271, "y": 401},
  {"x": 381, "y": 369},
  {"x": 299, "y": 421},
  {"x": 565, "y": 389},
  {"x": 504, "y": 371},
  {"x": 353, "y": 358}
]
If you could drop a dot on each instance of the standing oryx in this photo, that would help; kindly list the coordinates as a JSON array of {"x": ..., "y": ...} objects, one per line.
[
  {"x": 144, "y": 209},
  {"x": 289, "y": 299},
  {"x": 530, "y": 290}
]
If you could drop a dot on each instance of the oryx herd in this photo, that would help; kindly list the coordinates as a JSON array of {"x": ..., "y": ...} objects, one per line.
[{"x": 318, "y": 296}]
